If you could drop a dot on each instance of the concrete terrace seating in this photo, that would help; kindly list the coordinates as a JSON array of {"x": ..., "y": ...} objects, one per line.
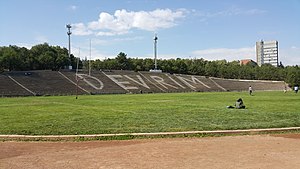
[
  {"x": 243, "y": 85},
  {"x": 232, "y": 84},
  {"x": 9, "y": 88},
  {"x": 268, "y": 85},
  {"x": 43, "y": 82}
]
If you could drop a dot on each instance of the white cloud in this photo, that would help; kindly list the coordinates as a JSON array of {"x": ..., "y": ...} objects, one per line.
[
  {"x": 108, "y": 33},
  {"x": 81, "y": 29},
  {"x": 160, "y": 18},
  {"x": 122, "y": 21},
  {"x": 226, "y": 53}
]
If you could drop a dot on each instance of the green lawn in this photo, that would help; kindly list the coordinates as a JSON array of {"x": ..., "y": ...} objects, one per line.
[{"x": 99, "y": 114}]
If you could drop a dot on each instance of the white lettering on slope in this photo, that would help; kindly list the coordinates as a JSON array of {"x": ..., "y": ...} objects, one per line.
[
  {"x": 175, "y": 81},
  {"x": 122, "y": 84},
  {"x": 140, "y": 82},
  {"x": 193, "y": 80},
  {"x": 162, "y": 82},
  {"x": 81, "y": 76}
]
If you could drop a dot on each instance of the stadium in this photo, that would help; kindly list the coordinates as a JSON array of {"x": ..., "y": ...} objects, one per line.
[
  {"x": 51, "y": 83},
  {"x": 218, "y": 88}
]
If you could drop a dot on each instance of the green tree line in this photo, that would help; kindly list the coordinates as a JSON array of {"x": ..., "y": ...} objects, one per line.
[
  {"x": 39, "y": 57},
  {"x": 44, "y": 56}
]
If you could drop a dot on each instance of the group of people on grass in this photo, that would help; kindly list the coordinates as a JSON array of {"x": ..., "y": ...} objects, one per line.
[{"x": 239, "y": 104}]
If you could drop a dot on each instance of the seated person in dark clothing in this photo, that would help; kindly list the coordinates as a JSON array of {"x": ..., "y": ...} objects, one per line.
[{"x": 239, "y": 104}]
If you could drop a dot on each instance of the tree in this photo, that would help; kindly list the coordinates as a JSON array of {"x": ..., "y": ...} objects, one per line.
[
  {"x": 62, "y": 58},
  {"x": 148, "y": 64},
  {"x": 181, "y": 67},
  {"x": 165, "y": 65},
  {"x": 212, "y": 69},
  {"x": 97, "y": 64},
  {"x": 137, "y": 65},
  {"x": 292, "y": 75},
  {"x": 122, "y": 62},
  {"x": 197, "y": 66},
  {"x": 10, "y": 59}
]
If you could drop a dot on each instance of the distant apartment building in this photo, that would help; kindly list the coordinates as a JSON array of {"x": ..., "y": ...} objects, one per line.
[{"x": 267, "y": 52}]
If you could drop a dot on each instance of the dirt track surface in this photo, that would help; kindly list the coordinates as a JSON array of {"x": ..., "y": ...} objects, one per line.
[{"x": 256, "y": 151}]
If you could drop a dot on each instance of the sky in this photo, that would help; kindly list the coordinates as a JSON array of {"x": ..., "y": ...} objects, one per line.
[{"x": 208, "y": 29}]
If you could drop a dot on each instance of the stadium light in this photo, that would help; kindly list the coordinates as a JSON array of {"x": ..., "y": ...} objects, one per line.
[
  {"x": 68, "y": 26},
  {"x": 155, "y": 51},
  {"x": 155, "y": 56}
]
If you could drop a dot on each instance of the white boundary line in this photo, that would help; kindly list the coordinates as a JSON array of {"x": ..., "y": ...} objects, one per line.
[
  {"x": 249, "y": 131},
  {"x": 33, "y": 93}
]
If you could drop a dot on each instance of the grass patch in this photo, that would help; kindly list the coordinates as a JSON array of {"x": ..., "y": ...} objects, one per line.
[{"x": 100, "y": 114}]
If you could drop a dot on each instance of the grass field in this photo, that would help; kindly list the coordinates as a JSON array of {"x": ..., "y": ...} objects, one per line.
[{"x": 99, "y": 114}]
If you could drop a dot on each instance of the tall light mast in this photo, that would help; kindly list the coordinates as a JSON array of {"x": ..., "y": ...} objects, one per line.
[
  {"x": 155, "y": 51},
  {"x": 155, "y": 70},
  {"x": 69, "y": 34}
]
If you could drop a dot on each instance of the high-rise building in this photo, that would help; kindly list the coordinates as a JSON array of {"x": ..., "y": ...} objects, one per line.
[{"x": 267, "y": 52}]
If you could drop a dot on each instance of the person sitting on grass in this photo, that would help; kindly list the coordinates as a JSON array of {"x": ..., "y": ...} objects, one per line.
[{"x": 239, "y": 104}]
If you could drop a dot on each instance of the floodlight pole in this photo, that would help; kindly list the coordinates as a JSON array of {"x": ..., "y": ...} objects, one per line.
[
  {"x": 155, "y": 51},
  {"x": 69, "y": 34}
]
